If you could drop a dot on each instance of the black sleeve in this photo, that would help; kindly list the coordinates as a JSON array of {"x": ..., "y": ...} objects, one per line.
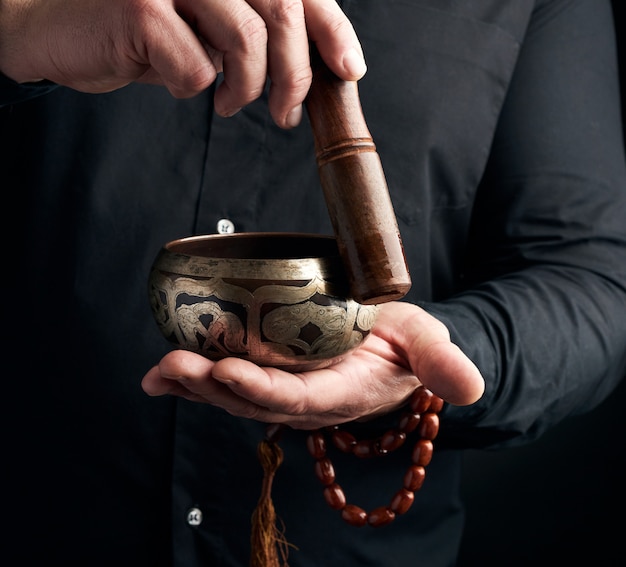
[
  {"x": 544, "y": 311},
  {"x": 12, "y": 92}
]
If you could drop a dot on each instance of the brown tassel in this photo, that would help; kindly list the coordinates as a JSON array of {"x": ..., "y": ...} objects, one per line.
[{"x": 269, "y": 548}]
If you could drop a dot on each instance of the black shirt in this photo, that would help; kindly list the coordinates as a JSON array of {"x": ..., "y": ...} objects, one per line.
[{"x": 498, "y": 127}]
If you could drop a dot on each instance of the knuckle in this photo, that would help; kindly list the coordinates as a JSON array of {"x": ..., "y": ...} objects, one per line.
[
  {"x": 248, "y": 412},
  {"x": 297, "y": 81},
  {"x": 298, "y": 408},
  {"x": 236, "y": 94},
  {"x": 288, "y": 90},
  {"x": 286, "y": 12},
  {"x": 192, "y": 83},
  {"x": 142, "y": 12},
  {"x": 252, "y": 35}
]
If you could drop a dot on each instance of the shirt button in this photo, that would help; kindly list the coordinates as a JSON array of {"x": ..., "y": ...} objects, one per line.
[
  {"x": 225, "y": 226},
  {"x": 194, "y": 516}
]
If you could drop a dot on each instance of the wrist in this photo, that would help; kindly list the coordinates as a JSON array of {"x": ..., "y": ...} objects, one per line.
[{"x": 16, "y": 18}]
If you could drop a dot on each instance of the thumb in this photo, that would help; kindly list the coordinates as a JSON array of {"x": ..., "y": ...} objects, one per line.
[
  {"x": 437, "y": 362},
  {"x": 447, "y": 372}
]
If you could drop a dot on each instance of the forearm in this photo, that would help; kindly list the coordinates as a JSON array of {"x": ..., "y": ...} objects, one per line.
[
  {"x": 542, "y": 314},
  {"x": 550, "y": 343}
]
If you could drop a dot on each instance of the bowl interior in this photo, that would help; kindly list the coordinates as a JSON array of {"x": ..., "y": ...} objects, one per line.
[{"x": 256, "y": 246}]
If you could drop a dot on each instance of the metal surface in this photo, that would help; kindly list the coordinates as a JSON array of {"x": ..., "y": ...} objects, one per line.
[{"x": 276, "y": 299}]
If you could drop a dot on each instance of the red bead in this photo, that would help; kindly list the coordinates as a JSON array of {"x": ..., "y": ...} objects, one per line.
[
  {"x": 316, "y": 445},
  {"x": 325, "y": 471},
  {"x": 364, "y": 449},
  {"x": 420, "y": 400},
  {"x": 429, "y": 427},
  {"x": 402, "y": 501},
  {"x": 343, "y": 440},
  {"x": 392, "y": 440},
  {"x": 334, "y": 496},
  {"x": 414, "y": 478},
  {"x": 422, "y": 452},
  {"x": 409, "y": 421},
  {"x": 436, "y": 404},
  {"x": 354, "y": 515},
  {"x": 380, "y": 517}
]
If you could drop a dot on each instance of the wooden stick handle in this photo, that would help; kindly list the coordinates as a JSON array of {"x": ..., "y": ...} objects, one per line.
[{"x": 355, "y": 190}]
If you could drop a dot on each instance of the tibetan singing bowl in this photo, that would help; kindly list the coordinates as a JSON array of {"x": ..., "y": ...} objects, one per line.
[{"x": 276, "y": 299}]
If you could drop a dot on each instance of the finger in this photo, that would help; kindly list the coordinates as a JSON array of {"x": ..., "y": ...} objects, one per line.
[
  {"x": 335, "y": 38},
  {"x": 153, "y": 77},
  {"x": 154, "y": 384},
  {"x": 174, "y": 373},
  {"x": 360, "y": 385},
  {"x": 289, "y": 67},
  {"x": 176, "y": 56},
  {"x": 239, "y": 33},
  {"x": 189, "y": 376},
  {"x": 279, "y": 391}
]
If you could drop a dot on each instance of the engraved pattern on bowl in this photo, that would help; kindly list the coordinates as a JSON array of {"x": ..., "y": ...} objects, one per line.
[{"x": 277, "y": 299}]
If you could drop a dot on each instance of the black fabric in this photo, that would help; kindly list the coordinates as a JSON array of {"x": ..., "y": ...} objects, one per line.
[
  {"x": 498, "y": 127},
  {"x": 12, "y": 92}
]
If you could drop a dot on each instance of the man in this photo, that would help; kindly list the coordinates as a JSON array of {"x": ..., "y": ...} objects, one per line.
[{"x": 498, "y": 127}]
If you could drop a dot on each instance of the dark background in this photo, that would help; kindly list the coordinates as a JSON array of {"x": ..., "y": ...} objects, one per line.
[{"x": 560, "y": 500}]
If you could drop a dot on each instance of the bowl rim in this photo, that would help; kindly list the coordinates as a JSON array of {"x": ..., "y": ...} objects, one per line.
[{"x": 252, "y": 266}]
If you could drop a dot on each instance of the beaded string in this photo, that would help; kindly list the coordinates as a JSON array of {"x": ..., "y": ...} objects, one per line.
[
  {"x": 421, "y": 414},
  {"x": 268, "y": 542}
]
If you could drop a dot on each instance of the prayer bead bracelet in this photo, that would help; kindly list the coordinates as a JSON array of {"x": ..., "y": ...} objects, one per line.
[
  {"x": 421, "y": 415},
  {"x": 267, "y": 539}
]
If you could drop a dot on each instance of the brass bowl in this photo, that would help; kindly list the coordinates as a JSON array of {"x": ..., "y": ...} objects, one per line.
[{"x": 276, "y": 299}]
